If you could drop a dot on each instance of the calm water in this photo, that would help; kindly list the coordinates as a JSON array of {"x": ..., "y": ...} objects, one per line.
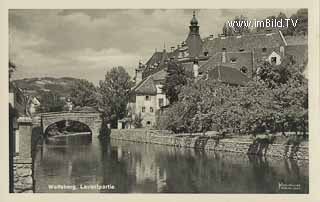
[{"x": 128, "y": 167}]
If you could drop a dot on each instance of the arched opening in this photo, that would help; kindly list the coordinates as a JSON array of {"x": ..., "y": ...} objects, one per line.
[{"x": 68, "y": 132}]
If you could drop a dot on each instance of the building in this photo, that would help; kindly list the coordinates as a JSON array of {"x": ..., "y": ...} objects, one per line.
[{"x": 229, "y": 59}]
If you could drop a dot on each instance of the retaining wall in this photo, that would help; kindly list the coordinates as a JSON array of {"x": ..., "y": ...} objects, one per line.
[{"x": 207, "y": 143}]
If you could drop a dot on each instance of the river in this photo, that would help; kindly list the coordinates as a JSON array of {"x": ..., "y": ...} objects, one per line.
[{"x": 127, "y": 167}]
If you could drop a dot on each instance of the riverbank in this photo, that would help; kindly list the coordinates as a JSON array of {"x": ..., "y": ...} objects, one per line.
[{"x": 246, "y": 146}]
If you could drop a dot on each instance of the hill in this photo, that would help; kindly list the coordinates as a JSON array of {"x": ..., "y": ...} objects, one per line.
[{"x": 39, "y": 86}]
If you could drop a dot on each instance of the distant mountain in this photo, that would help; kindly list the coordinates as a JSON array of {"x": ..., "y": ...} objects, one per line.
[{"x": 37, "y": 86}]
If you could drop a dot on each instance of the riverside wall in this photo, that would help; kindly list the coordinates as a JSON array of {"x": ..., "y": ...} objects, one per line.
[{"x": 209, "y": 143}]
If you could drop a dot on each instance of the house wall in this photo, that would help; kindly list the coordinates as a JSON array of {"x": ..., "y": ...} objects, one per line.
[
  {"x": 154, "y": 103},
  {"x": 147, "y": 115}
]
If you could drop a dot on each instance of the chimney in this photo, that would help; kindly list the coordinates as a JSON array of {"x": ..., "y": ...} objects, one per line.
[
  {"x": 282, "y": 51},
  {"x": 195, "y": 68},
  {"x": 223, "y": 57},
  {"x": 139, "y": 73}
]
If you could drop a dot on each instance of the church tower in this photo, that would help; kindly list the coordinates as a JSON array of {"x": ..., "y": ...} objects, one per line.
[{"x": 193, "y": 40}]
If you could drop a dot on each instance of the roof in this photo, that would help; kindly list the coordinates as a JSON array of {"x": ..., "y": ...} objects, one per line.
[
  {"x": 146, "y": 87},
  {"x": 188, "y": 66},
  {"x": 242, "y": 59},
  {"x": 157, "y": 58},
  {"x": 244, "y": 42},
  {"x": 228, "y": 75},
  {"x": 299, "y": 52},
  {"x": 194, "y": 44},
  {"x": 297, "y": 40},
  {"x": 160, "y": 75},
  {"x": 261, "y": 55}
]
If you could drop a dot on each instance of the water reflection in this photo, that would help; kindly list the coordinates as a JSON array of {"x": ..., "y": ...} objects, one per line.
[{"x": 133, "y": 167}]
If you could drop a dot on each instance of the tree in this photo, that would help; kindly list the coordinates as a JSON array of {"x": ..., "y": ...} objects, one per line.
[
  {"x": 115, "y": 95},
  {"x": 84, "y": 93},
  {"x": 300, "y": 26},
  {"x": 277, "y": 101},
  {"x": 239, "y": 26},
  {"x": 51, "y": 102},
  {"x": 176, "y": 77}
]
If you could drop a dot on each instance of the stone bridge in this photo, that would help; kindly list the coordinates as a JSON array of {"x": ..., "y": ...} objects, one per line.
[{"x": 90, "y": 119}]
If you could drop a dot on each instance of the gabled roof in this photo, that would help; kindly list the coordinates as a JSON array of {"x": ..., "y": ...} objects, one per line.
[
  {"x": 228, "y": 75},
  {"x": 146, "y": 87},
  {"x": 244, "y": 42}
]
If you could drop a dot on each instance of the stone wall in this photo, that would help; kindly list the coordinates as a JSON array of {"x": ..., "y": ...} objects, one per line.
[
  {"x": 23, "y": 176},
  {"x": 207, "y": 143}
]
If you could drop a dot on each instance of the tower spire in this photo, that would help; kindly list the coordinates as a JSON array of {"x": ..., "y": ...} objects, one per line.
[{"x": 194, "y": 21}]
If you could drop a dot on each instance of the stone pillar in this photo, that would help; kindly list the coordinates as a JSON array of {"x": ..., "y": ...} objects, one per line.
[
  {"x": 23, "y": 168},
  {"x": 23, "y": 176},
  {"x": 25, "y": 133}
]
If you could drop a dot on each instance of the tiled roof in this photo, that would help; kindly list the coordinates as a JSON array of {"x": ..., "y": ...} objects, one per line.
[
  {"x": 194, "y": 44},
  {"x": 242, "y": 59},
  {"x": 188, "y": 66},
  {"x": 244, "y": 42},
  {"x": 160, "y": 75},
  {"x": 157, "y": 58},
  {"x": 228, "y": 75},
  {"x": 146, "y": 87},
  {"x": 299, "y": 52},
  {"x": 297, "y": 40},
  {"x": 260, "y": 55}
]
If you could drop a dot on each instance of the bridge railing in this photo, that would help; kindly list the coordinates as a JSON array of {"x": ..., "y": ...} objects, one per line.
[{"x": 67, "y": 112}]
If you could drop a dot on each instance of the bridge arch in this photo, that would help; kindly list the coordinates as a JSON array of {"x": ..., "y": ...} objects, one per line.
[
  {"x": 90, "y": 119},
  {"x": 73, "y": 125}
]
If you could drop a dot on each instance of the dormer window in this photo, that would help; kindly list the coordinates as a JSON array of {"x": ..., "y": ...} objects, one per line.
[
  {"x": 273, "y": 60},
  {"x": 205, "y": 53},
  {"x": 264, "y": 50},
  {"x": 233, "y": 60},
  {"x": 241, "y": 50},
  {"x": 244, "y": 69},
  {"x": 224, "y": 49}
]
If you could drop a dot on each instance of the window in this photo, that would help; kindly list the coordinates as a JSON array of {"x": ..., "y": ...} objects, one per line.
[
  {"x": 224, "y": 49},
  {"x": 143, "y": 109},
  {"x": 148, "y": 98},
  {"x": 244, "y": 69},
  {"x": 233, "y": 60},
  {"x": 151, "y": 109},
  {"x": 148, "y": 122},
  {"x": 273, "y": 60},
  {"x": 161, "y": 102},
  {"x": 264, "y": 50},
  {"x": 241, "y": 50}
]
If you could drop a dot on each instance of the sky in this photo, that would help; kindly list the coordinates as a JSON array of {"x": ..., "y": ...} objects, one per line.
[{"x": 88, "y": 43}]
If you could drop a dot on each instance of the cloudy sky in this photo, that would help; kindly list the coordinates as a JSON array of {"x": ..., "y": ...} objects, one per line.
[{"x": 87, "y": 43}]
